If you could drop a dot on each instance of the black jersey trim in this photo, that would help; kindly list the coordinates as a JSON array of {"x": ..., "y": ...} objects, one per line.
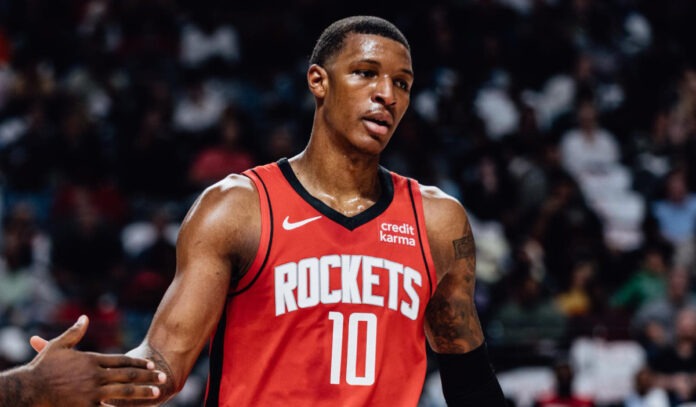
[
  {"x": 420, "y": 236},
  {"x": 348, "y": 222},
  {"x": 270, "y": 239},
  {"x": 217, "y": 351}
]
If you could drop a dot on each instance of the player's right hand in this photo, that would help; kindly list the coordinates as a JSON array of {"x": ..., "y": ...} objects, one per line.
[{"x": 63, "y": 376}]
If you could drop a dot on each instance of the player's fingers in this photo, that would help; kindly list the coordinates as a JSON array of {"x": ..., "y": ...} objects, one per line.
[
  {"x": 134, "y": 376},
  {"x": 74, "y": 334},
  {"x": 38, "y": 343},
  {"x": 114, "y": 361},
  {"x": 128, "y": 392}
]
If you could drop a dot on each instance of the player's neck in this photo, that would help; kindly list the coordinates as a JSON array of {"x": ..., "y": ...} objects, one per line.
[{"x": 346, "y": 181}]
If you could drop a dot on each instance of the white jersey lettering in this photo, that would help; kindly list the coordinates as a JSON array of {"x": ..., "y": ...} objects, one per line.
[
  {"x": 285, "y": 283},
  {"x": 394, "y": 270},
  {"x": 326, "y": 263},
  {"x": 307, "y": 283},
  {"x": 411, "y": 276},
  {"x": 350, "y": 265},
  {"x": 370, "y": 279}
]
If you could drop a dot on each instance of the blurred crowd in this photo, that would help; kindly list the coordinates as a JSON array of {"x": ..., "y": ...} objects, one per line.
[{"x": 566, "y": 127}]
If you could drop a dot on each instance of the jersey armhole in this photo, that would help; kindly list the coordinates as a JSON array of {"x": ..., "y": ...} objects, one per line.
[
  {"x": 259, "y": 262},
  {"x": 417, "y": 203}
]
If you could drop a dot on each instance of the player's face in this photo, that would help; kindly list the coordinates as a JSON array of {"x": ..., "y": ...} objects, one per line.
[{"x": 368, "y": 92}]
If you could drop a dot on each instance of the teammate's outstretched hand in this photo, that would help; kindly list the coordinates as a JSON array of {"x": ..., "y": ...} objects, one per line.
[{"x": 67, "y": 377}]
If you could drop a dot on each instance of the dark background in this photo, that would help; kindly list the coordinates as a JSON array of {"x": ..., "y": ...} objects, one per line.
[{"x": 115, "y": 114}]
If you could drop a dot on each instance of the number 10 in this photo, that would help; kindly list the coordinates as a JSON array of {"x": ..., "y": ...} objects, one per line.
[{"x": 351, "y": 361}]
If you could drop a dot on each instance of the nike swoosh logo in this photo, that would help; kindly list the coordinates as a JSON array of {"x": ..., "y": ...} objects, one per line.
[{"x": 287, "y": 225}]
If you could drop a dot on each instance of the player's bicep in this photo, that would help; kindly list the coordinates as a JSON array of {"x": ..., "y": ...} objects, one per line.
[{"x": 452, "y": 324}]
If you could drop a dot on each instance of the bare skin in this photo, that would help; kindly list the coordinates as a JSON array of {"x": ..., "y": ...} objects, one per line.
[
  {"x": 220, "y": 233},
  {"x": 361, "y": 95},
  {"x": 61, "y": 376},
  {"x": 452, "y": 324}
]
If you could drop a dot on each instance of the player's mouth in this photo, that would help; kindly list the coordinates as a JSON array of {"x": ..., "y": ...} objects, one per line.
[{"x": 378, "y": 123}]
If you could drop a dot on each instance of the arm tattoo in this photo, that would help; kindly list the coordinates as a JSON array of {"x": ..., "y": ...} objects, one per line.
[
  {"x": 453, "y": 323},
  {"x": 451, "y": 314},
  {"x": 464, "y": 247}
]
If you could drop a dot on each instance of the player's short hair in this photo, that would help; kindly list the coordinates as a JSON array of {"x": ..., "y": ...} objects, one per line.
[{"x": 331, "y": 40}]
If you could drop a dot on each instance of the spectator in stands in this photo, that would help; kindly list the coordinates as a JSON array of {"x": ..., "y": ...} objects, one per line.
[
  {"x": 563, "y": 396},
  {"x": 29, "y": 160},
  {"x": 86, "y": 254},
  {"x": 601, "y": 320},
  {"x": 566, "y": 227},
  {"x": 230, "y": 155},
  {"x": 576, "y": 299},
  {"x": 646, "y": 393},
  {"x": 151, "y": 163},
  {"x": 149, "y": 274},
  {"x": 683, "y": 114},
  {"x": 591, "y": 154},
  {"x": 647, "y": 283},
  {"x": 676, "y": 215},
  {"x": 105, "y": 317},
  {"x": 281, "y": 142},
  {"x": 30, "y": 83},
  {"x": 675, "y": 365},
  {"x": 27, "y": 294},
  {"x": 198, "y": 109},
  {"x": 528, "y": 316},
  {"x": 651, "y": 154},
  {"x": 588, "y": 149},
  {"x": 78, "y": 153},
  {"x": 490, "y": 195},
  {"x": 653, "y": 323},
  {"x": 209, "y": 41}
]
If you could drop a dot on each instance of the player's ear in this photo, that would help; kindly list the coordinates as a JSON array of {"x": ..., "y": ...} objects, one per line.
[{"x": 317, "y": 79}]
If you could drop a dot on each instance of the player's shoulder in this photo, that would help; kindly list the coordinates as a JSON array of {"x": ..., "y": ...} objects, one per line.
[
  {"x": 234, "y": 188},
  {"x": 436, "y": 202},
  {"x": 445, "y": 222},
  {"x": 224, "y": 221},
  {"x": 231, "y": 201},
  {"x": 441, "y": 209},
  {"x": 436, "y": 196}
]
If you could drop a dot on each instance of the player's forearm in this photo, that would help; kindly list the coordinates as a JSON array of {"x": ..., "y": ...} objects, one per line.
[
  {"x": 452, "y": 324},
  {"x": 17, "y": 388}
]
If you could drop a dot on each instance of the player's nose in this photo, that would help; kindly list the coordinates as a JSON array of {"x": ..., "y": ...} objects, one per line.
[{"x": 384, "y": 91}]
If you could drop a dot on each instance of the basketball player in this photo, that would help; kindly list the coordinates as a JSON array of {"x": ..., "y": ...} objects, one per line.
[
  {"x": 62, "y": 376},
  {"x": 317, "y": 279}
]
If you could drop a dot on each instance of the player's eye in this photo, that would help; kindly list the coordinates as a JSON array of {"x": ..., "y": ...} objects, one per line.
[
  {"x": 365, "y": 73},
  {"x": 402, "y": 84}
]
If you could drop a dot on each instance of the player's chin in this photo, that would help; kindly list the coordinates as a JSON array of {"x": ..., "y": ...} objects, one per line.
[{"x": 370, "y": 144}]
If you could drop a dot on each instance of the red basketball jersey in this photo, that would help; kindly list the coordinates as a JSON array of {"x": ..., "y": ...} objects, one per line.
[{"x": 331, "y": 311}]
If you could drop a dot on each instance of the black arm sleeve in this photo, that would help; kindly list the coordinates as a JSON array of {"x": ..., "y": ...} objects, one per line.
[{"x": 468, "y": 379}]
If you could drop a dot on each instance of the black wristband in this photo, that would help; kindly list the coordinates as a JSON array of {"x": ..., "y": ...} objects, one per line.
[{"x": 468, "y": 379}]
